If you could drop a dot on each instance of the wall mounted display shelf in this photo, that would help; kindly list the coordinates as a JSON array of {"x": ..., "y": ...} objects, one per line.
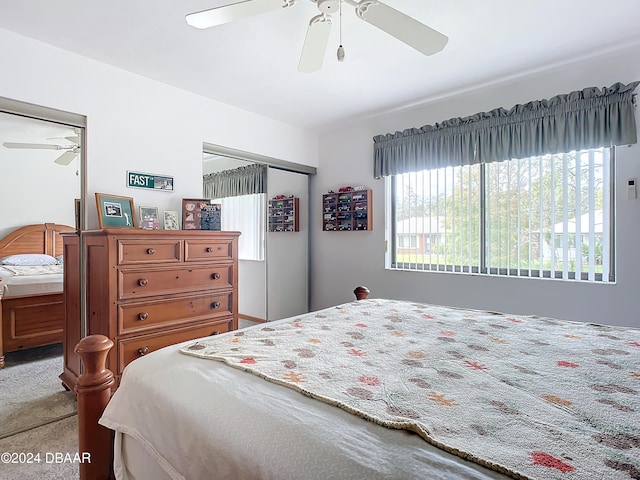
[
  {"x": 284, "y": 214},
  {"x": 347, "y": 210}
]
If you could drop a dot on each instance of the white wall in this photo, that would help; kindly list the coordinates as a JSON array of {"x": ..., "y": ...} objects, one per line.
[
  {"x": 341, "y": 261},
  {"x": 134, "y": 123}
]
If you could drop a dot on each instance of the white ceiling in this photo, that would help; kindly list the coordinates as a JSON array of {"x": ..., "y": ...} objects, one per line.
[{"x": 252, "y": 63}]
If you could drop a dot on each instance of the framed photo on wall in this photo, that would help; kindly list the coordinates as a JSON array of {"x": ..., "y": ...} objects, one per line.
[{"x": 115, "y": 211}]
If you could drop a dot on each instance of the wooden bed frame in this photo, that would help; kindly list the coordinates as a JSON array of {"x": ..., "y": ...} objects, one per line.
[
  {"x": 32, "y": 320},
  {"x": 93, "y": 391}
]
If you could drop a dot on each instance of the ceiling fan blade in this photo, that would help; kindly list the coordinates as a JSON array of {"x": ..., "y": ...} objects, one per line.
[
  {"x": 315, "y": 44},
  {"x": 72, "y": 138},
  {"x": 236, "y": 11},
  {"x": 67, "y": 157},
  {"x": 32, "y": 146},
  {"x": 404, "y": 28}
]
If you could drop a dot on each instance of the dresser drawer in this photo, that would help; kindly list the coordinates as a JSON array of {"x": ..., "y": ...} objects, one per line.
[
  {"x": 132, "y": 252},
  {"x": 209, "y": 249},
  {"x": 130, "y": 349},
  {"x": 137, "y": 317},
  {"x": 180, "y": 279}
]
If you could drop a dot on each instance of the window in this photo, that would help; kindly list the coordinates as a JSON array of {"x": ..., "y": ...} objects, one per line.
[
  {"x": 547, "y": 216},
  {"x": 246, "y": 214},
  {"x": 407, "y": 241}
]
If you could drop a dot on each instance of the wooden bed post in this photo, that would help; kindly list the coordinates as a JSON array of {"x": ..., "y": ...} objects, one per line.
[
  {"x": 93, "y": 391},
  {"x": 361, "y": 293}
]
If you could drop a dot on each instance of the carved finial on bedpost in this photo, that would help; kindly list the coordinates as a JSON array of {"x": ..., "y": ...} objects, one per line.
[
  {"x": 93, "y": 391},
  {"x": 361, "y": 293}
]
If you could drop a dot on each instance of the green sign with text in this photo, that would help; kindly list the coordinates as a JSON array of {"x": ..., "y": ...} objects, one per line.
[{"x": 149, "y": 180}]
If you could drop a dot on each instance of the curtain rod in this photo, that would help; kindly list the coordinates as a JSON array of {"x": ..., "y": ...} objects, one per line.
[{"x": 254, "y": 157}]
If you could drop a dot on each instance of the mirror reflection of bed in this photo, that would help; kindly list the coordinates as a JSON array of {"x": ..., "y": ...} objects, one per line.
[
  {"x": 42, "y": 150},
  {"x": 31, "y": 280}
]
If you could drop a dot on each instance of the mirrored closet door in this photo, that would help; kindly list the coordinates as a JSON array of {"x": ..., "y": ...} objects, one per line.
[{"x": 42, "y": 166}]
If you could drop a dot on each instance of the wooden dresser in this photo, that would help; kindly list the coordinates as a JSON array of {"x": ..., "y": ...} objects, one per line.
[{"x": 146, "y": 289}]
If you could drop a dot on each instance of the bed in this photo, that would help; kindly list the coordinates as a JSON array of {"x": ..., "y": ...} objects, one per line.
[
  {"x": 374, "y": 388},
  {"x": 31, "y": 296}
]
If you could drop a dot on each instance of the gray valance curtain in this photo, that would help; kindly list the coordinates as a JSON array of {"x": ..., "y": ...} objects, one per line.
[
  {"x": 590, "y": 118},
  {"x": 239, "y": 181}
]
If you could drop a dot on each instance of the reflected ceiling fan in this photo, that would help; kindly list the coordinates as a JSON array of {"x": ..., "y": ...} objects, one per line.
[
  {"x": 71, "y": 151},
  {"x": 395, "y": 23}
]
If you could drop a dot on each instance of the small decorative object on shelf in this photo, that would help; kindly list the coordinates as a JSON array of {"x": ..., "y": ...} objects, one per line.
[
  {"x": 283, "y": 214},
  {"x": 349, "y": 209}
]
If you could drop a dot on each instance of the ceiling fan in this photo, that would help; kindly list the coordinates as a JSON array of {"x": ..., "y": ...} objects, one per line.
[
  {"x": 72, "y": 151},
  {"x": 395, "y": 23}
]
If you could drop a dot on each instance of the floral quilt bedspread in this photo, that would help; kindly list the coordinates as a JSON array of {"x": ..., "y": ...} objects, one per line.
[{"x": 528, "y": 396}]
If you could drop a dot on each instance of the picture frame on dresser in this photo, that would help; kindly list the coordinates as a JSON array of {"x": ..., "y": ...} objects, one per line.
[
  {"x": 149, "y": 218},
  {"x": 192, "y": 212},
  {"x": 170, "y": 218},
  {"x": 115, "y": 211}
]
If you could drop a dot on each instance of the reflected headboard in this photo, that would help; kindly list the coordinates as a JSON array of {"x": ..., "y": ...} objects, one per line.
[{"x": 38, "y": 238}]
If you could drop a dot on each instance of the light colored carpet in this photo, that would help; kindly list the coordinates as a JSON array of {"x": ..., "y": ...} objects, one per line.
[
  {"x": 31, "y": 393},
  {"x": 55, "y": 439},
  {"x": 242, "y": 323}
]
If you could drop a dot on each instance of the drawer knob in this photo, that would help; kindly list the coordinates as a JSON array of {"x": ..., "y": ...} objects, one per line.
[
  {"x": 209, "y": 249},
  {"x": 150, "y": 251},
  {"x": 143, "y": 351},
  {"x": 143, "y": 316},
  {"x": 215, "y": 276},
  {"x": 215, "y": 304},
  {"x": 143, "y": 282}
]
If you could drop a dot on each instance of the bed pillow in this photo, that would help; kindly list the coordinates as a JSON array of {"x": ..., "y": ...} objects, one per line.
[{"x": 28, "y": 259}]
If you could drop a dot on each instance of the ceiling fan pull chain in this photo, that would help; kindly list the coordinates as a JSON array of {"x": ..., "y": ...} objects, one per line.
[{"x": 340, "y": 47}]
